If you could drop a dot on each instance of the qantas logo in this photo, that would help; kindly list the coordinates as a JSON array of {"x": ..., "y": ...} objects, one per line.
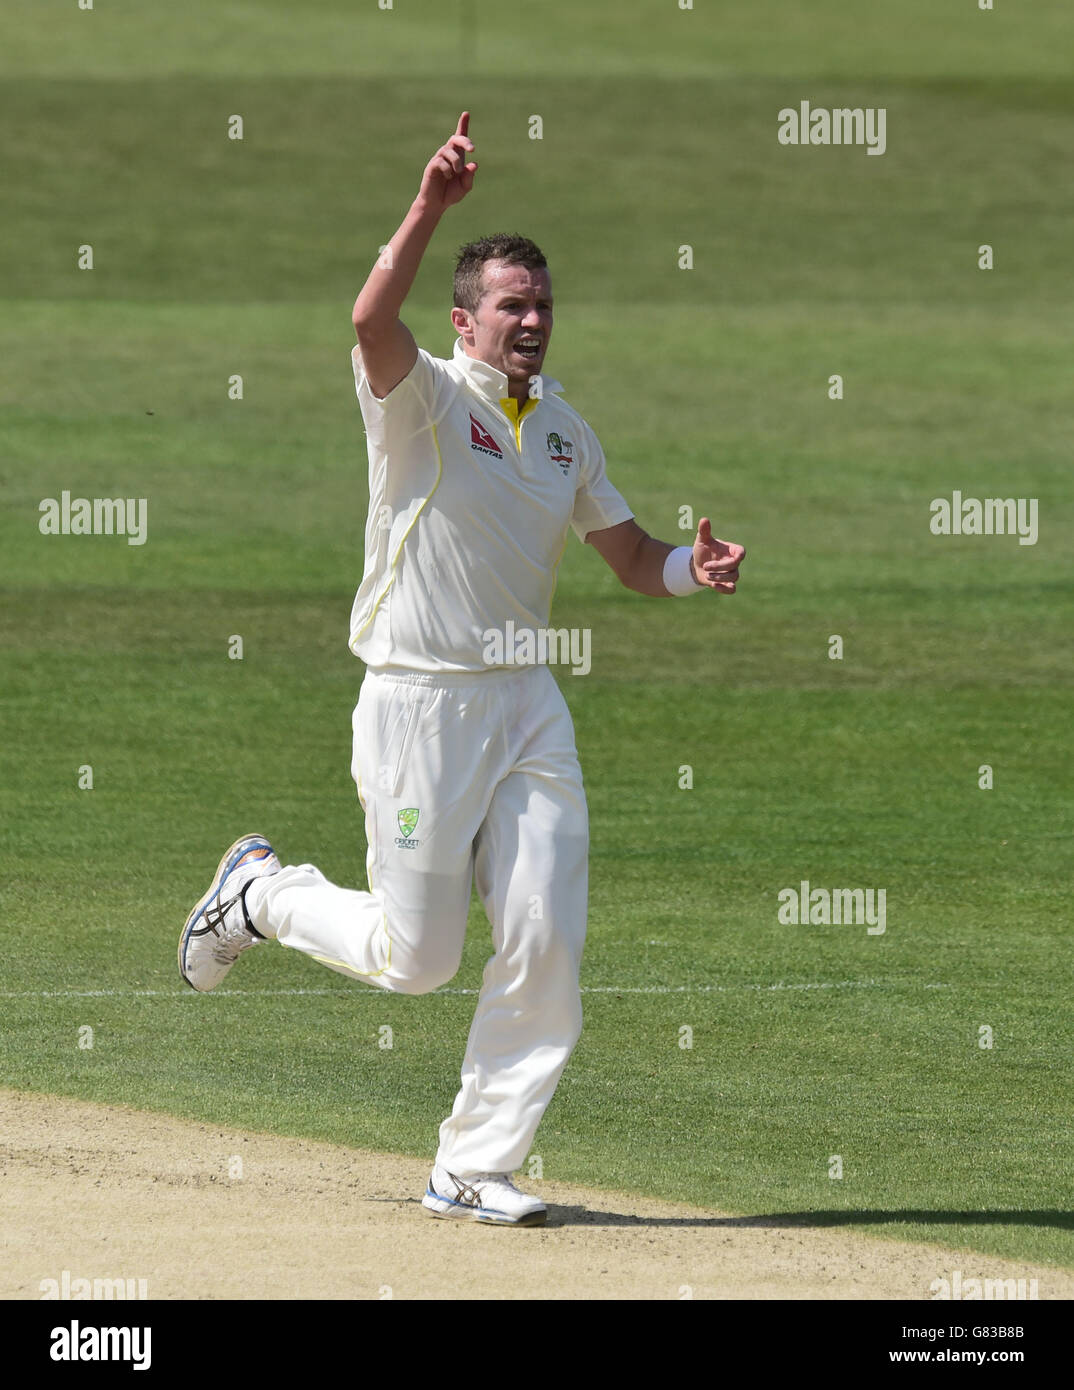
[{"x": 482, "y": 441}]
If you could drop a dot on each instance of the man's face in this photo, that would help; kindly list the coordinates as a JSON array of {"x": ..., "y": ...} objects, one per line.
[{"x": 512, "y": 324}]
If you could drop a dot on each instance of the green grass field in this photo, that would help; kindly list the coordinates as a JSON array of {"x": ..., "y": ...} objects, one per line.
[{"x": 708, "y": 388}]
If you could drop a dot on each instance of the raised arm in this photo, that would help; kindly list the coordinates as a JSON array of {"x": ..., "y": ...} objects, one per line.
[{"x": 387, "y": 345}]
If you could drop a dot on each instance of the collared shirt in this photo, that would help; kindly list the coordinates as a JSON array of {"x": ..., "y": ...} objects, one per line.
[{"x": 471, "y": 498}]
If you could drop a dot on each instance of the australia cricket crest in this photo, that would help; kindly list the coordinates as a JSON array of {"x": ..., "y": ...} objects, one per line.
[
  {"x": 408, "y": 823},
  {"x": 559, "y": 451}
]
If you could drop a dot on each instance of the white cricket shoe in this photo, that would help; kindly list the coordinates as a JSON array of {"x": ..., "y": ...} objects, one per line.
[
  {"x": 489, "y": 1197},
  {"x": 219, "y": 929}
]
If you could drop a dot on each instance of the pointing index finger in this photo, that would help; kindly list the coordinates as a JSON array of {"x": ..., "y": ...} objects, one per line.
[{"x": 464, "y": 124}]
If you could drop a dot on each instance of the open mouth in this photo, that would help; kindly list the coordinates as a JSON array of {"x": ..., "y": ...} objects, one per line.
[{"x": 530, "y": 348}]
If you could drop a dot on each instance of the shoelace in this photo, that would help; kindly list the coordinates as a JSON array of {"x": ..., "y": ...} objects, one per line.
[
  {"x": 235, "y": 938},
  {"x": 228, "y": 952},
  {"x": 498, "y": 1178}
]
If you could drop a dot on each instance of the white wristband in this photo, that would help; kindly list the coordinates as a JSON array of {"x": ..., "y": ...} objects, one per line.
[{"x": 677, "y": 577}]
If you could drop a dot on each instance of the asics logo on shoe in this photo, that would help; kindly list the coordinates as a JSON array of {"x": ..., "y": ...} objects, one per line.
[
  {"x": 214, "y": 916},
  {"x": 466, "y": 1195}
]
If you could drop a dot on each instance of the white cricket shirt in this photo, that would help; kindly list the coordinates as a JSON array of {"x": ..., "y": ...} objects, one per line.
[{"x": 469, "y": 510}]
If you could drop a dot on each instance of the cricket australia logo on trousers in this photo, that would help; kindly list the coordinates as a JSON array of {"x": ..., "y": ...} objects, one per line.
[{"x": 408, "y": 823}]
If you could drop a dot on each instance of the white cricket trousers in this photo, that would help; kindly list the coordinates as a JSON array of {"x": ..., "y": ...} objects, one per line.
[{"x": 463, "y": 777}]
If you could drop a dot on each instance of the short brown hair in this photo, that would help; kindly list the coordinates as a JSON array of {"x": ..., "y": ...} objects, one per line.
[{"x": 505, "y": 247}]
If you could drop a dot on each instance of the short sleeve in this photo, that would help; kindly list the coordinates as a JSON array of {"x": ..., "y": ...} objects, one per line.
[
  {"x": 416, "y": 402},
  {"x": 597, "y": 505}
]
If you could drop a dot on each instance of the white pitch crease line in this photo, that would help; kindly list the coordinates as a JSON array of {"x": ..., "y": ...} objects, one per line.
[{"x": 779, "y": 985}]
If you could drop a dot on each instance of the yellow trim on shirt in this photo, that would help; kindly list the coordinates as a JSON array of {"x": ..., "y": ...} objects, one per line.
[
  {"x": 399, "y": 549},
  {"x": 516, "y": 416}
]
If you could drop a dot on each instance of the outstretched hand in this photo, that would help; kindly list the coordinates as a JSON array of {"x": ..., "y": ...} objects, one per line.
[
  {"x": 716, "y": 562},
  {"x": 448, "y": 177}
]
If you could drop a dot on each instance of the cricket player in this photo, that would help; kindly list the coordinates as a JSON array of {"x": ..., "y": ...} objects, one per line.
[{"x": 463, "y": 754}]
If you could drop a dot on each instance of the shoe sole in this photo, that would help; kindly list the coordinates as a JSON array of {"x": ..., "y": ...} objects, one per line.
[
  {"x": 222, "y": 871},
  {"x": 457, "y": 1211}
]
